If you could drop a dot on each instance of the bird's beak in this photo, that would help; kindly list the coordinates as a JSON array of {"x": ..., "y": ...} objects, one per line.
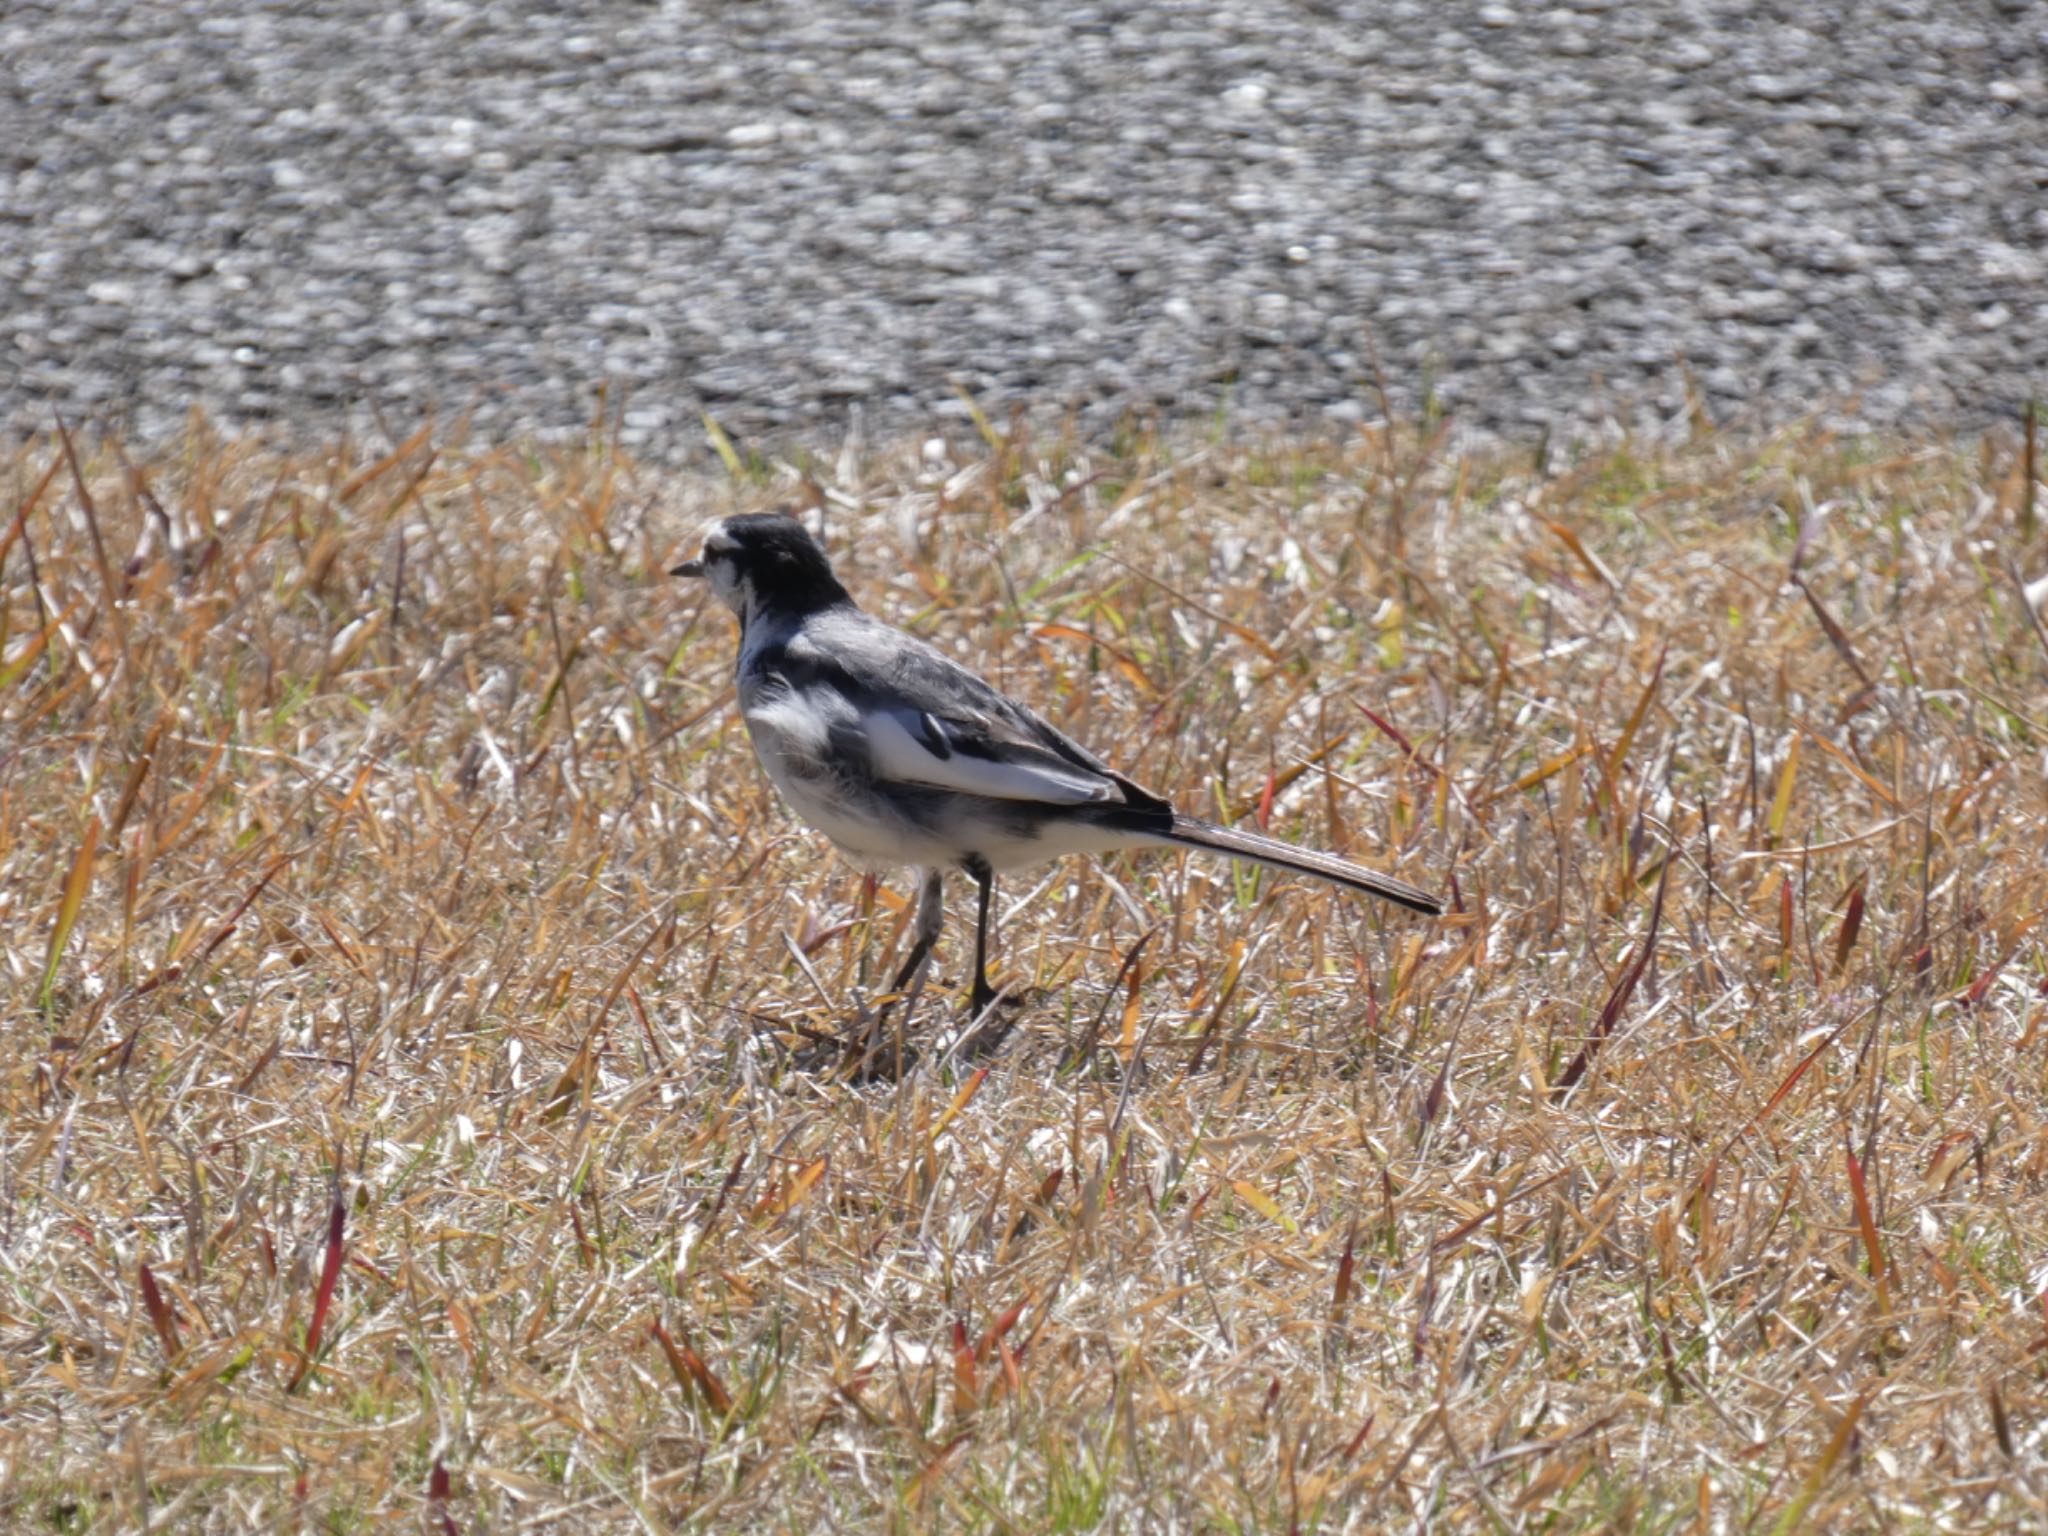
[{"x": 689, "y": 568}]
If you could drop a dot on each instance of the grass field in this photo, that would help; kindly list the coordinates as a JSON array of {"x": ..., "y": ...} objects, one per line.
[{"x": 403, "y": 954}]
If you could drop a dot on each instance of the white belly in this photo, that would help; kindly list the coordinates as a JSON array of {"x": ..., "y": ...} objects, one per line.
[{"x": 872, "y": 842}]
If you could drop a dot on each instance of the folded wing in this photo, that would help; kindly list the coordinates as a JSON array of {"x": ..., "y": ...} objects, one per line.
[
  {"x": 924, "y": 719},
  {"x": 977, "y": 757}
]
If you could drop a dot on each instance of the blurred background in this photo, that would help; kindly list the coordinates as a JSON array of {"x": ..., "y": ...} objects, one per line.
[{"x": 809, "y": 218}]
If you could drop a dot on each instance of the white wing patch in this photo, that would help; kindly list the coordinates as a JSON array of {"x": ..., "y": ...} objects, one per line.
[
  {"x": 897, "y": 751},
  {"x": 795, "y": 722}
]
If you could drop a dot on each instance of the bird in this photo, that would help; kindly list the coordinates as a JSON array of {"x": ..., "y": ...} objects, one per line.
[{"x": 902, "y": 757}]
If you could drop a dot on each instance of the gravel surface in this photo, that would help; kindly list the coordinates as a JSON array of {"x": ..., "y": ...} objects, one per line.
[{"x": 779, "y": 211}]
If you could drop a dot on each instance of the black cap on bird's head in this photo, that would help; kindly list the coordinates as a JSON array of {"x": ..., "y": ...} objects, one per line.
[{"x": 765, "y": 561}]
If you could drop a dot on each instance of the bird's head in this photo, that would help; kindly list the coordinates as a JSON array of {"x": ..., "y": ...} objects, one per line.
[{"x": 765, "y": 562}]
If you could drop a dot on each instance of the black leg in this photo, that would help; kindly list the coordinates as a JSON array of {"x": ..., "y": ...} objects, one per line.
[{"x": 985, "y": 879}]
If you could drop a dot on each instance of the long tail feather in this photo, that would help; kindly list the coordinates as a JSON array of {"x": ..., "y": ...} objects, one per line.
[{"x": 1274, "y": 854}]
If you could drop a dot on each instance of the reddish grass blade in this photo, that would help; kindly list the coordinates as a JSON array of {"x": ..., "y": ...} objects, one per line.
[
  {"x": 1777, "y": 1097},
  {"x": 1979, "y": 989},
  {"x": 1425, "y": 1305},
  {"x": 1879, "y": 791},
  {"x": 1949, "y": 1155},
  {"x": 160, "y": 1316},
  {"x": 1617, "y": 999},
  {"x": 1279, "y": 780},
  {"x": 676, "y": 1363},
  {"x": 1873, "y": 1249},
  {"x": 966, "y": 1380},
  {"x": 1341, "y": 1293},
  {"x": 691, "y": 1373},
  {"x": 1852, "y": 924},
  {"x": 626, "y": 971},
  {"x": 1433, "y": 1101},
  {"x": 2001, "y": 1426},
  {"x": 138, "y": 772},
  {"x": 925, "y": 1480},
  {"x": 1465, "y": 1229},
  {"x": 707, "y": 1383},
  {"x": 220, "y": 935},
  {"x": 1351, "y": 1446},
  {"x": 1571, "y": 541},
  {"x": 1837, "y": 636},
  {"x": 330, "y": 1274},
  {"x": 578, "y": 1076},
  {"x": 1394, "y": 734},
  {"x": 1001, "y": 1327},
  {"x": 28, "y": 505},
  {"x": 437, "y": 1499},
  {"x": 1798, "y": 1072}
]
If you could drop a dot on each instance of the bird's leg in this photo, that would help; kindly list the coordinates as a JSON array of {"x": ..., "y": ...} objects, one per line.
[
  {"x": 931, "y": 917},
  {"x": 983, "y": 995},
  {"x": 866, "y": 1050},
  {"x": 986, "y": 1030}
]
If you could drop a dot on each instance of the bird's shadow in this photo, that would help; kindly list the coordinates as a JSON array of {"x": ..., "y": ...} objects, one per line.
[{"x": 876, "y": 1048}]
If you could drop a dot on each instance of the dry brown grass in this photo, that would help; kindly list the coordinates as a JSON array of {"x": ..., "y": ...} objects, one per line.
[{"x": 436, "y": 938}]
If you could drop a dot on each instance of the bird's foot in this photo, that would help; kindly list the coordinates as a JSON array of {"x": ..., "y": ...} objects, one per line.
[
  {"x": 813, "y": 1050},
  {"x": 867, "y": 1051},
  {"x": 878, "y": 1061},
  {"x": 985, "y": 997},
  {"x": 991, "y": 1015}
]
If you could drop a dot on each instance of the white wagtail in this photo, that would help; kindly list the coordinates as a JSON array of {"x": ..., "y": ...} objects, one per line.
[{"x": 902, "y": 756}]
